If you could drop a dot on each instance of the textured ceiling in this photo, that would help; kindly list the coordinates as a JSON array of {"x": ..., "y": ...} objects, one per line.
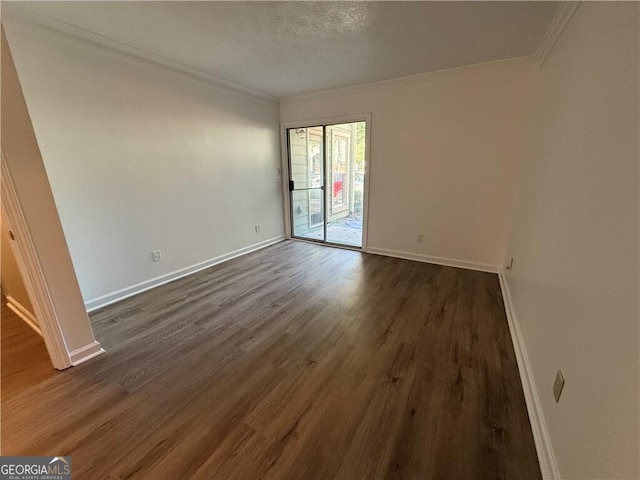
[{"x": 288, "y": 48}]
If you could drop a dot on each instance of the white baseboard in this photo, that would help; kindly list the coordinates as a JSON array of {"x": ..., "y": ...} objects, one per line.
[
  {"x": 82, "y": 354},
  {"x": 24, "y": 314},
  {"x": 127, "y": 292},
  {"x": 546, "y": 457},
  {"x": 448, "y": 262}
]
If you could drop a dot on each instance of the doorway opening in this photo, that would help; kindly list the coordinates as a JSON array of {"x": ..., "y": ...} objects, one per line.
[{"x": 327, "y": 167}]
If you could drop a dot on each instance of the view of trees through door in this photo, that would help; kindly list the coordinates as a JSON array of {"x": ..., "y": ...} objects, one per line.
[{"x": 326, "y": 171}]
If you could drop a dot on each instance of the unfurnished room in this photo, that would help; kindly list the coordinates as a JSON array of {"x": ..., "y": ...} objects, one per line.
[{"x": 318, "y": 240}]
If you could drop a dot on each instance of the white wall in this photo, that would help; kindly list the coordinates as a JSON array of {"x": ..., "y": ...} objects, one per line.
[
  {"x": 443, "y": 158},
  {"x": 140, "y": 159},
  {"x": 574, "y": 282}
]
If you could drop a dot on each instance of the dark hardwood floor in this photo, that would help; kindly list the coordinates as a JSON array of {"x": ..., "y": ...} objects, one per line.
[
  {"x": 24, "y": 360},
  {"x": 295, "y": 362}
]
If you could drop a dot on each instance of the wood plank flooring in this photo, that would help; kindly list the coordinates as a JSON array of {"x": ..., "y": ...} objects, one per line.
[
  {"x": 24, "y": 360},
  {"x": 295, "y": 362}
]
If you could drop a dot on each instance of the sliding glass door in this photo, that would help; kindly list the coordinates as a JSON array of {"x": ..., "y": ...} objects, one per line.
[{"x": 326, "y": 182}]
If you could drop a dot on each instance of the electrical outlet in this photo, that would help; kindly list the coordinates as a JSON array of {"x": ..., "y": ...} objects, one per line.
[
  {"x": 509, "y": 265},
  {"x": 156, "y": 255},
  {"x": 558, "y": 385},
  {"x": 257, "y": 227},
  {"x": 420, "y": 239}
]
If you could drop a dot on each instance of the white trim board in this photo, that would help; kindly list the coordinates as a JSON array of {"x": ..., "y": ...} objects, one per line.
[
  {"x": 82, "y": 354},
  {"x": 27, "y": 18},
  {"x": 565, "y": 11},
  {"x": 20, "y": 16},
  {"x": 113, "y": 297},
  {"x": 448, "y": 262},
  {"x": 438, "y": 76},
  {"x": 546, "y": 457},
  {"x": 23, "y": 313}
]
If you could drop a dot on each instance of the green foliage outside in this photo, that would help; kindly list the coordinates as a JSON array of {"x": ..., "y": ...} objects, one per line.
[{"x": 360, "y": 146}]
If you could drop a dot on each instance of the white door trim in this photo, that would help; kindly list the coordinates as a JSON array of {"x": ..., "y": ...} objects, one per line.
[
  {"x": 30, "y": 268},
  {"x": 284, "y": 149},
  {"x": 23, "y": 313}
]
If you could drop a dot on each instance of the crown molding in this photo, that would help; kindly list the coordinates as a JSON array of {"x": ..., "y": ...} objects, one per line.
[
  {"x": 438, "y": 76},
  {"x": 565, "y": 11},
  {"x": 18, "y": 16},
  {"x": 27, "y": 19}
]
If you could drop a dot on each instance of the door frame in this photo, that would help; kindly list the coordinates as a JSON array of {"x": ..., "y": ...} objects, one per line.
[
  {"x": 284, "y": 150},
  {"x": 30, "y": 269},
  {"x": 346, "y": 188}
]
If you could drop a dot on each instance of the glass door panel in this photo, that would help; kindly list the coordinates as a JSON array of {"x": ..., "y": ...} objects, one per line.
[
  {"x": 306, "y": 167},
  {"x": 345, "y": 183}
]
